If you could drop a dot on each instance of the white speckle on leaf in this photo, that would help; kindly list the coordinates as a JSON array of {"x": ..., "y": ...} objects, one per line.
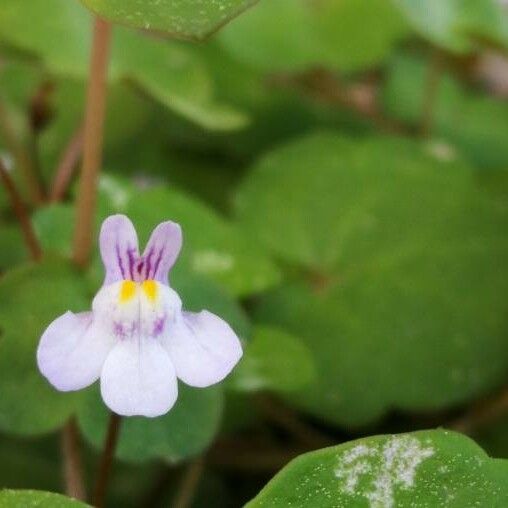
[
  {"x": 376, "y": 472},
  {"x": 442, "y": 151},
  {"x": 210, "y": 261}
]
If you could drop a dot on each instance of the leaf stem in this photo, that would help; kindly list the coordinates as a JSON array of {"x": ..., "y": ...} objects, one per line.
[
  {"x": 430, "y": 93},
  {"x": 482, "y": 413},
  {"x": 66, "y": 166},
  {"x": 189, "y": 484},
  {"x": 108, "y": 454},
  {"x": 72, "y": 464},
  {"x": 284, "y": 417},
  {"x": 93, "y": 141},
  {"x": 19, "y": 208}
]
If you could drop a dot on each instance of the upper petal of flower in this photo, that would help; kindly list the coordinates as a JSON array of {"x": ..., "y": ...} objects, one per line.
[
  {"x": 203, "y": 348},
  {"x": 119, "y": 248},
  {"x": 72, "y": 351},
  {"x": 138, "y": 378},
  {"x": 161, "y": 251}
]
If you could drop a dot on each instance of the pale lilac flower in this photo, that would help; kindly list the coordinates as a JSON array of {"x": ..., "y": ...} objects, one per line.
[{"x": 137, "y": 339}]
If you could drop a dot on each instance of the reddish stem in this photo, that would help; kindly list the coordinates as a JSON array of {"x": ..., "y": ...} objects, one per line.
[
  {"x": 73, "y": 469},
  {"x": 67, "y": 166},
  {"x": 93, "y": 141},
  {"x": 108, "y": 454},
  {"x": 19, "y": 208}
]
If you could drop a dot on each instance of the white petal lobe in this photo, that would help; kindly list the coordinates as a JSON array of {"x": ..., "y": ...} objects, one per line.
[
  {"x": 72, "y": 351},
  {"x": 203, "y": 348},
  {"x": 139, "y": 379}
]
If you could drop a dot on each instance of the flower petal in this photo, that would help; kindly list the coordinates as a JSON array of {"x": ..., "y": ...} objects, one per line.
[
  {"x": 138, "y": 378},
  {"x": 72, "y": 351},
  {"x": 203, "y": 348},
  {"x": 119, "y": 248},
  {"x": 162, "y": 250}
]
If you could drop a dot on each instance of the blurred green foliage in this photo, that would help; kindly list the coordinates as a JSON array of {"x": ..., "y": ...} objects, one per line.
[{"x": 339, "y": 169}]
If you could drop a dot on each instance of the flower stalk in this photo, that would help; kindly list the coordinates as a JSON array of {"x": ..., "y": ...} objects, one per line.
[
  {"x": 93, "y": 141},
  {"x": 72, "y": 465},
  {"x": 108, "y": 454}
]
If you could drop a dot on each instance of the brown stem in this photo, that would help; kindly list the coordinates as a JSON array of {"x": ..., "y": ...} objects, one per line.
[
  {"x": 286, "y": 418},
  {"x": 327, "y": 87},
  {"x": 66, "y": 166},
  {"x": 19, "y": 208},
  {"x": 482, "y": 413},
  {"x": 108, "y": 454},
  {"x": 93, "y": 141},
  {"x": 22, "y": 157},
  {"x": 189, "y": 484},
  {"x": 430, "y": 93},
  {"x": 73, "y": 469},
  {"x": 252, "y": 457}
]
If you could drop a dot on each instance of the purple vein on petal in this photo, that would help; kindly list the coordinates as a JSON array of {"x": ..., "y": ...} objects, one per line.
[
  {"x": 157, "y": 263},
  {"x": 130, "y": 256},
  {"x": 149, "y": 263},
  {"x": 119, "y": 260}
]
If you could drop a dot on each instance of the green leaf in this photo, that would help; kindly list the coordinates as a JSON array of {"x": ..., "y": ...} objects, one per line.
[
  {"x": 169, "y": 73},
  {"x": 476, "y": 125},
  {"x": 292, "y": 35},
  {"x": 457, "y": 25},
  {"x": 54, "y": 227},
  {"x": 273, "y": 360},
  {"x": 400, "y": 259},
  {"x": 36, "y": 499},
  {"x": 192, "y": 19},
  {"x": 32, "y": 297},
  {"x": 420, "y": 469},
  {"x": 187, "y": 430}
]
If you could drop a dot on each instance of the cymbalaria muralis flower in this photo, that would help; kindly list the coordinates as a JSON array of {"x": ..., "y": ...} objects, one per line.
[{"x": 137, "y": 339}]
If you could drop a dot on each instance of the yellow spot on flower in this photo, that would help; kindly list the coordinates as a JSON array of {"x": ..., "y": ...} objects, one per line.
[
  {"x": 127, "y": 291},
  {"x": 150, "y": 289}
]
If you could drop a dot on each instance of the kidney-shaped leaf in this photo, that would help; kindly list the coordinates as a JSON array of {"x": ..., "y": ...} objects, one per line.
[
  {"x": 416, "y": 470},
  {"x": 190, "y": 19},
  {"x": 402, "y": 261}
]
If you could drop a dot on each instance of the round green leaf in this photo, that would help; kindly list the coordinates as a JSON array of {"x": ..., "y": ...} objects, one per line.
[
  {"x": 187, "y": 430},
  {"x": 402, "y": 260},
  {"x": 273, "y": 360},
  {"x": 54, "y": 225},
  {"x": 191, "y": 19},
  {"x": 294, "y": 35},
  {"x": 36, "y": 499},
  {"x": 417, "y": 470},
  {"x": 32, "y": 297}
]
